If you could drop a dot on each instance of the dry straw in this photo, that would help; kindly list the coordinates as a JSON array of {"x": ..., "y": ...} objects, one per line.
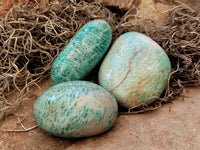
[
  {"x": 31, "y": 38},
  {"x": 180, "y": 38}
]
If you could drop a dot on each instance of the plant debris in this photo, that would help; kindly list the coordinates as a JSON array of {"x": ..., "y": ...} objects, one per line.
[
  {"x": 180, "y": 38},
  {"x": 31, "y": 38}
]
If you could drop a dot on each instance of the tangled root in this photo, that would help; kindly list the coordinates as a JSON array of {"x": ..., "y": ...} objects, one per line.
[{"x": 31, "y": 38}]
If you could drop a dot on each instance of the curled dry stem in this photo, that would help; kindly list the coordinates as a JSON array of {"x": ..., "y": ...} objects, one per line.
[{"x": 31, "y": 38}]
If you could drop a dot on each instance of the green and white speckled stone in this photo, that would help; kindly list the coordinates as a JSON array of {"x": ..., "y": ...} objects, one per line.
[
  {"x": 82, "y": 53},
  {"x": 135, "y": 69},
  {"x": 75, "y": 109}
]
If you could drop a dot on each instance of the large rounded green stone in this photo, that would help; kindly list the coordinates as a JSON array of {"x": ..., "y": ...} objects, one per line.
[
  {"x": 135, "y": 69},
  {"x": 82, "y": 52},
  {"x": 75, "y": 109}
]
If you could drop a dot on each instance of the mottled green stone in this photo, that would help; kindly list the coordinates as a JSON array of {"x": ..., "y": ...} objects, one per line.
[
  {"x": 75, "y": 109},
  {"x": 135, "y": 69},
  {"x": 82, "y": 52}
]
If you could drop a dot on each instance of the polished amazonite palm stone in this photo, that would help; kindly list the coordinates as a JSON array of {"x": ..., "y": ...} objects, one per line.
[
  {"x": 75, "y": 109},
  {"x": 135, "y": 69},
  {"x": 82, "y": 52}
]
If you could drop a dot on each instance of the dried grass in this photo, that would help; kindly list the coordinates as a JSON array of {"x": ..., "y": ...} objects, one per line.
[
  {"x": 31, "y": 38},
  {"x": 180, "y": 38}
]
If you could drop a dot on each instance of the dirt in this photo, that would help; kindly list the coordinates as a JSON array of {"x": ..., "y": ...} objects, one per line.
[{"x": 174, "y": 126}]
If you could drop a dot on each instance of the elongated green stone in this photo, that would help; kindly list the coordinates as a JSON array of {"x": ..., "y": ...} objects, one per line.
[
  {"x": 135, "y": 69},
  {"x": 75, "y": 109},
  {"x": 82, "y": 53}
]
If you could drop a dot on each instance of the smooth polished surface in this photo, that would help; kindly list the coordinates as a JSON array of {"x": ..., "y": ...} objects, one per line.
[
  {"x": 75, "y": 109},
  {"x": 82, "y": 53},
  {"x": 135, "y": 69}
]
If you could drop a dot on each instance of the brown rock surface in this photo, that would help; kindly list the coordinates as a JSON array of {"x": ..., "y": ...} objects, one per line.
[
  {"x": 156, "y": 10},
  {"x": 174, "y": 126},
  {"x": 148, "y": 9}
]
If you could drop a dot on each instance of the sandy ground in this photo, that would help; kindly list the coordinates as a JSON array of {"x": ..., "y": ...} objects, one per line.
[{"x": 174, "y": 126}]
